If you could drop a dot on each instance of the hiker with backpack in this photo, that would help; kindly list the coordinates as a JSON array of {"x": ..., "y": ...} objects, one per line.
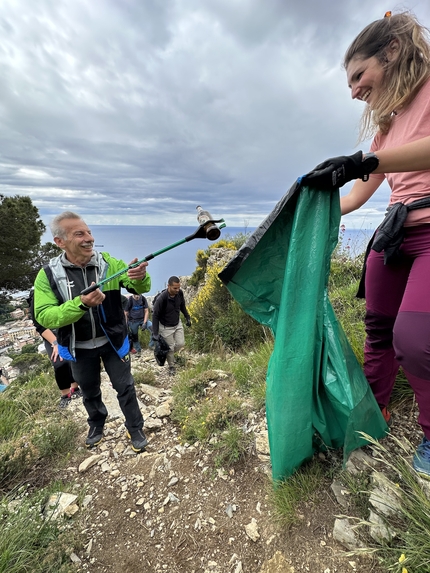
[
  {"x": 137, "y": 312},
  {"x": 166, "y": 319}
]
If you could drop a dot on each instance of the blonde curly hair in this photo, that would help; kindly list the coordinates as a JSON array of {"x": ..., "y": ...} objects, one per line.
[{"x": 404, "y": 75}]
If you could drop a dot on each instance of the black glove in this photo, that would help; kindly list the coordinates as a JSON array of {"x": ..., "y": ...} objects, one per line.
[
  {"x": 337, "y": 171},
  {"x": 155, "y": 337},
  {"x": 188, "y": 323}
]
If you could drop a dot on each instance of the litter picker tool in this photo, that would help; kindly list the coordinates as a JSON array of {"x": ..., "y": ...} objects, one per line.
[{"x": 208, "y": 229}]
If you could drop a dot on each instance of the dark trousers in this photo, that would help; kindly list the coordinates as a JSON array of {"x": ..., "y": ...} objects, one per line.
[
  {"x": 398, "y": 321},
  {"x": 86, "y": 371},
  {"x": 62, "y": 371}
]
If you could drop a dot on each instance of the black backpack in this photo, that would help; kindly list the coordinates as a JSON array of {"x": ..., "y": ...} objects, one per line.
[{"x": 156, "y": 296}]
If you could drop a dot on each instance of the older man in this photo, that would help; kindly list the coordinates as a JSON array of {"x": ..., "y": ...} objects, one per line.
[{"x": 91, "y": 328}]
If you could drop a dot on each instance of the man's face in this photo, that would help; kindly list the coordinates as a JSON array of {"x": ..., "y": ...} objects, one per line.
[
  {"x": 136, "y": 296},
  {"x": 78, "y": 243},
  {"x": 173, "y": 288}
]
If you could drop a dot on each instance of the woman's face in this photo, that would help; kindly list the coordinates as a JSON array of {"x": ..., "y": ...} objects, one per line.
[{"x": 365, "y": 79}]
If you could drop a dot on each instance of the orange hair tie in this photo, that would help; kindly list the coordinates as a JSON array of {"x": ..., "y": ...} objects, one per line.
[{"x": 387, "y": 14}]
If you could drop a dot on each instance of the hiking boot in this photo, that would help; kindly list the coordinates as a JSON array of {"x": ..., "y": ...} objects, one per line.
[
  {"x": 421, "y": 459},
  {"x": 387, "y": 415},
  {"x": 75, "y": 393},
  {"x": 64, "y": 401},
  {"x": 172, "y": 370},
  {"x": 138, "y": 440},
  {"x": 95, "y": 436}
]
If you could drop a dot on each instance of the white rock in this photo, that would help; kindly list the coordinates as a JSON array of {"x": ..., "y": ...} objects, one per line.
[
  {"x": 57, "y": 504},
  {"x": 344, "y": 533},
  {"x": 153, "y": 424},
  {"x": 251, "y": 530},
  {"x": 379, "y": 530},
  {"x": 262, "y": 443},
  {"x": 385, "y": 496},
  {"x": 163, "y": 411},
  {"x": 90, "y": 462},
  {"x": 74, "y": 558}
]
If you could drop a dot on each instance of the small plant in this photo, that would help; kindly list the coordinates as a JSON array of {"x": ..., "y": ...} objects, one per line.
[
  {"x": 144, "y": 337},
  {"x": 145, "y": 377},
  {"x": 233, "y": 446},
  {"x": 207, "y": 418},
  {"x": 200, "y": 407},
  {"x": 301, "y": 487}
]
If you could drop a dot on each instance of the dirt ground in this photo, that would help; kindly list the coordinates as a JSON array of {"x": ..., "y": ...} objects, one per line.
[{"x": 169, "y": 509}]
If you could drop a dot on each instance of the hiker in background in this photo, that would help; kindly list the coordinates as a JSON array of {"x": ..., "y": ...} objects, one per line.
[
  {"x": 137, "y": 313},
  {"x": 388, "y": 68},
  {"x": 166, "y": 319},
  {"x": 62, "y": 372},
  {"x": 91, "y": 327}
]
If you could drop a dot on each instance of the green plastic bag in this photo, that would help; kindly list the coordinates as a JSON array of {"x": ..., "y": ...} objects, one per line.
[{"x": 317, "y": 396}]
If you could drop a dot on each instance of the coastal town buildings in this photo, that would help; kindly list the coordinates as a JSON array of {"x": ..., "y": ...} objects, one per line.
[{"x": 14, "y": 335}]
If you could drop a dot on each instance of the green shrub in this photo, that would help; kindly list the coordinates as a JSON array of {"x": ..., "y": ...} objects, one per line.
[
  {"x": 30, "y": 349},
  {"x": 217, "y": 319},
  {"x": 30, "y": 362},
  {"x": 199, "y": 272},
  {"x": 250, "y": 372},
  {"x": 202, "y": 256},
  {"x": 26, "y": 438}
]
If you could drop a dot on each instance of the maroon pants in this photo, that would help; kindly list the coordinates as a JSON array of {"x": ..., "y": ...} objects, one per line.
[{"x": 398, "y": 321}]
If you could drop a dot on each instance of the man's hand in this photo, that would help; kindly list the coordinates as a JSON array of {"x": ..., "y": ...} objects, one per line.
[
  {"x": 137, "y": 273},
  {"x": 93, "y": 298},
  {"x": 337, "y": 171},
  {"x": 188, "y": 323},
  {"x": 155, "y": 337}
]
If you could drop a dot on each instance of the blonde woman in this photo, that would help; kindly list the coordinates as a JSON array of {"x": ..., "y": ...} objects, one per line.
[{"x": 388, "y": 68}]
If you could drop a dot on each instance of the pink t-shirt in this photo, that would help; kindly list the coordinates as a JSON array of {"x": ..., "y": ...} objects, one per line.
[{"x": 408, "y": 125}]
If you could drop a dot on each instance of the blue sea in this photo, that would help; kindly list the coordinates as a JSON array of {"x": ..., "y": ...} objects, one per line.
[{"x": 127, "y": 242}]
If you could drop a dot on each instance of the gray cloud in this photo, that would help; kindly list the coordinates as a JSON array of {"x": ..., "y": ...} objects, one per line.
[{"x": 134, "y": 112}]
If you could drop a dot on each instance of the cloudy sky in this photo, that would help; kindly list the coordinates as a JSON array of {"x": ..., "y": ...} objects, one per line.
[{"x": 135, "y": 111}]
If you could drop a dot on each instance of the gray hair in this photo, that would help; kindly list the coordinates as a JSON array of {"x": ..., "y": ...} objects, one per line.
[{"x": 55, "y": 225}]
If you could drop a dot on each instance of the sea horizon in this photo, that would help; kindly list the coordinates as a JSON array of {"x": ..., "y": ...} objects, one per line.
[{"x": 127, "y": 242}]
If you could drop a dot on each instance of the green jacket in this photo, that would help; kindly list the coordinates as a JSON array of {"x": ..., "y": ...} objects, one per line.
[{"x": 56, "y": 302}]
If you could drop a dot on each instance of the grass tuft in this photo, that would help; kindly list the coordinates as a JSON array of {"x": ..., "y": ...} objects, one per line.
[{"x": 287, "y": 496}]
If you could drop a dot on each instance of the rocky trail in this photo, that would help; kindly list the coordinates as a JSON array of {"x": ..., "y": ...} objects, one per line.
[{"x": 169, "y": 509}]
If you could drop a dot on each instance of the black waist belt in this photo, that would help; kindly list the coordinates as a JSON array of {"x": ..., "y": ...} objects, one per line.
[
  {"x": 391, "y": 231},
  {"x": 389, "y": 236}
]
